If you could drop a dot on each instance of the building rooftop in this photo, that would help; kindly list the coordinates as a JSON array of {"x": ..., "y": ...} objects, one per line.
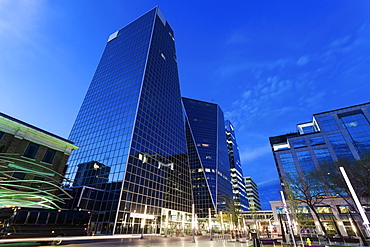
[{"x": 33, "y": 127}]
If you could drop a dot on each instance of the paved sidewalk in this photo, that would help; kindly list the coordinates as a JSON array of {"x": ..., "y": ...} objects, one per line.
[{"x": 200, "y": 241}]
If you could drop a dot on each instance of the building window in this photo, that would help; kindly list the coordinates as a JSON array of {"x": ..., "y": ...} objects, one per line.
[
  {"x": 31, "y": 150},
  {"x": 343, "y": 209},
  {"x": 328, "y": 123},
  {"x": 323, "y": 156},
  {"x": 49, "y": 156},
  {"x": 299, "y": 143},
  {"x": 323, "y": 210},
  {"x": 316, "y": 140}
]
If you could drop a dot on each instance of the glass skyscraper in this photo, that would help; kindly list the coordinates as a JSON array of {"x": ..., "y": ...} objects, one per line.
[
  {"x": 132, "y": 165},
  {"x": 236, "y": 170},
  {"x": 208, "y": 156}
]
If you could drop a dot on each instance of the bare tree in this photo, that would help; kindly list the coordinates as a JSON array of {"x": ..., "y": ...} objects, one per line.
[{"x": 308, "y": 190}]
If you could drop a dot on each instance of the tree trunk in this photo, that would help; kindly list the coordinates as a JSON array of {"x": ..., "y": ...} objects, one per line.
[{"x": 321, "y": 225}]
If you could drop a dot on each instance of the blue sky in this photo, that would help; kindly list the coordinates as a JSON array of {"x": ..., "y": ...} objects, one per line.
[{"x": 269, "y": 64}]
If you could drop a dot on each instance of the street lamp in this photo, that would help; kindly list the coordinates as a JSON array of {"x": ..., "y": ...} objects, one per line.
[
  {"x": 210, "y": 224},
  {"x": 192, "y": 222},
  {"x": 143, "y": 223},
  {"x": 357, "y": 201},
  {"x": 222, "y": 224},
  {"x": 288, "y": 217}
]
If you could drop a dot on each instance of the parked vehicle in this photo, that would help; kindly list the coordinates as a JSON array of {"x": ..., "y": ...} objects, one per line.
[{"x": 38, "y": 223}]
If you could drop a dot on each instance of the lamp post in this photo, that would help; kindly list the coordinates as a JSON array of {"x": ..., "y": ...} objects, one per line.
[
  {"x": 222, "y": 224},
  {"x": 288, "y": 217},
  {"x": 210, "y": 224},
  {"x": 192, "y": 223},
  {"x": 143, "y": 223},
  {"x": 166, "y": 225},
  {"x": 357, "y": 201}
]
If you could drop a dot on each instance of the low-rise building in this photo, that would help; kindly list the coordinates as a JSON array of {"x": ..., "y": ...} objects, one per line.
[{"x": 33, "y": 164}]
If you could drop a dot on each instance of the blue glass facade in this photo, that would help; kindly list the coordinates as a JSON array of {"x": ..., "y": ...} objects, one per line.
[
  {"x": 208, "y": 156},
  {"x": 333, "y": 135},
  {"x": 133, "y": 161},
  {"x": 236, "y": 171}
]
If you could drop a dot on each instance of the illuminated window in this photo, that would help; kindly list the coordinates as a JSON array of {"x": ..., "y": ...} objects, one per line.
[
  {"x": 208, "y": 170},
  {"x": 343, "y": 209},
  {"x": 205, "y": 145},
  {"x": 171, "y": 36},
  {"x": 323, "y": 210},
  {"x": 143, "y": 158}
]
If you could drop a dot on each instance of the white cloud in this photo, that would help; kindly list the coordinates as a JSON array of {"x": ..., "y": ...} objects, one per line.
[
  {"x": 303, "y": 60},
  {"x": 247, "y": 94},
  {"x": 270, "y": 182},
  {"x": 249, "y": 154}
]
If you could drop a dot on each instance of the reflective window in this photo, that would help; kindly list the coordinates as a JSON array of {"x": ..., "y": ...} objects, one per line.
[
  {"x": 323, "y": 155},
  {"x": 328, "y": 123},
  {"x": 288, "y": 164},
  {"x": 340, "y": 146},
  {"x": 359, "y": 129},
  {"x": 308, "y": 129},
  {"x": 308, "y": 168},
  {"x": 299, "y": 143},
  {"x": 305, "y": 161},
  {"x": 316, "y": 140}
]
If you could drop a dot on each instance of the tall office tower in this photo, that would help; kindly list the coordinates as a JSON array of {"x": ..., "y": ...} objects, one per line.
[
  {"x": 209, "y": 162},
  {"x": 131, "y": 132},
  {"x": 331, "y": 135},
  {"x": 252, "y": 194},
  {"x": 236, "y": 170}
]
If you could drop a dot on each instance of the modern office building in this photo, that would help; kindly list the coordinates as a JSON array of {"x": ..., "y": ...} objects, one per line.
[
  {"x": 252, "y": 194},
  {"x": 236, "y": 170},
  {"x": 208, "y": 156},
  {"x": 330, "y": 136},
  {"x": 132, "y": 168},
  {"x": 33, "y": 163}
]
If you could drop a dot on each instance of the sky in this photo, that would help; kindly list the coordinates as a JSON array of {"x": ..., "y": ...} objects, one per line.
[{"x": 269, "y": 64}]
